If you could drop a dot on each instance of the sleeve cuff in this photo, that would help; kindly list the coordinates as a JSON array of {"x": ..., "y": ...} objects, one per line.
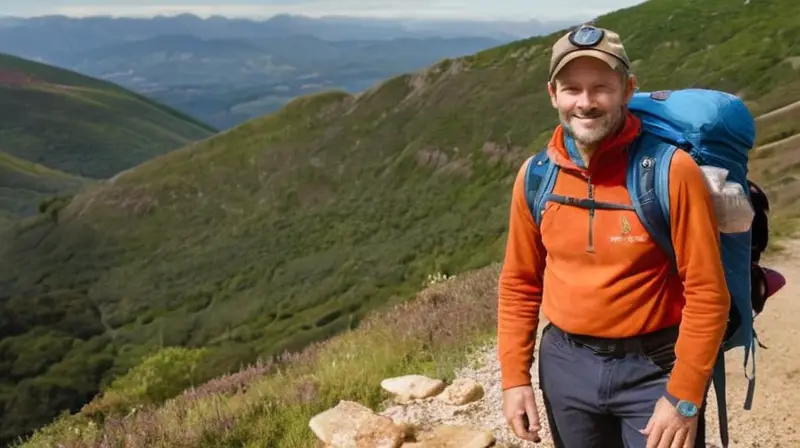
[
  {"x": 515, "y": 379},
  {"x": 688, "y": 384}
]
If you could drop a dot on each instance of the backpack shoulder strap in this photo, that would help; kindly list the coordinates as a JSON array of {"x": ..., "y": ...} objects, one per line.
[
  {"x": 648, "y": 184},
  {"x": 540, "y": 177}
]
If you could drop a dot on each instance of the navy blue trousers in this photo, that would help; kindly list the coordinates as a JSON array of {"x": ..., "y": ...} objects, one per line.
[{"x": 596, "y": 400}]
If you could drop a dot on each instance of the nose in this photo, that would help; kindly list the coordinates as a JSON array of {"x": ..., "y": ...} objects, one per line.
[{"x": 584, "y": 100}]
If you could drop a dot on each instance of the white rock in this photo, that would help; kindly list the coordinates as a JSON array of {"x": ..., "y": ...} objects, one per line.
[
  {"x": 452, "y": 436},
  {"x": 462, "y": 391},
  {"x": 352, "y": 425},
  {"x": 411, "y": 387}
]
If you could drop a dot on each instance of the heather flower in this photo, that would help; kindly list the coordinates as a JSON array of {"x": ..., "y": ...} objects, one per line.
[
  {"x": 232, "y": 383},
  {"x": 262, "y": 401}
]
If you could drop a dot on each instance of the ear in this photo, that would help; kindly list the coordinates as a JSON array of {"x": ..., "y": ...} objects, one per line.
[
  {"x": 630, "y": 87},
  {"x": 551, "y": 90}
]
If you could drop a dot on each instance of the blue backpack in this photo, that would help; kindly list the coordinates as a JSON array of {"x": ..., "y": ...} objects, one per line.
[{"x": 716, "y": 129}]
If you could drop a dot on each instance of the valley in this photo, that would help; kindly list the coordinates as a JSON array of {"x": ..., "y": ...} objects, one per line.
[
  {"x": 60, "y": 130},
  {"x": 227, "y": 82},
  {"x": 227, "y": 71}
]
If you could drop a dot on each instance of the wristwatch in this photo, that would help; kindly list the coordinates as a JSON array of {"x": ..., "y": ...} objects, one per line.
[{"x": 684, "y": 407}]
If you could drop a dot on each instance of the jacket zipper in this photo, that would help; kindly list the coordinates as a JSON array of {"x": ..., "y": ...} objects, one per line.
[{"x": 590, "y": 246}]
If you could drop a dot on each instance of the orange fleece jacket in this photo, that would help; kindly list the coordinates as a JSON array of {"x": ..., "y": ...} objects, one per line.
[{"x": 624, "y": 286}]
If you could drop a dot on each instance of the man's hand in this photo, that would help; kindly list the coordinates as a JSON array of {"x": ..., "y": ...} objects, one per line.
[
  {"x": 668, "y": 429},
  {"x": 519, "y": 407}
]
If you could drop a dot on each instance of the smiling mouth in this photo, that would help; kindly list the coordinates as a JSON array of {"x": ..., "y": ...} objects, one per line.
[{"x": 587, "y": 117}]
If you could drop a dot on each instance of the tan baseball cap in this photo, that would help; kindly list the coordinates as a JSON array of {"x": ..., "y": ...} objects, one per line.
[{"x": 588, "y": 40}]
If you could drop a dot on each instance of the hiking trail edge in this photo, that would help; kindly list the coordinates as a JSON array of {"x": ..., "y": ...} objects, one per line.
[{"x": 774, "y": 420}]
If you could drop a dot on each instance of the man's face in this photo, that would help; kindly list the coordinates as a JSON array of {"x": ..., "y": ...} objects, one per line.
[{"x": 590, "y": 98}]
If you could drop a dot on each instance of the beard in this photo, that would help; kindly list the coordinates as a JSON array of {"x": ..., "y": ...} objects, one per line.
[{"x": 591, "y": 126}]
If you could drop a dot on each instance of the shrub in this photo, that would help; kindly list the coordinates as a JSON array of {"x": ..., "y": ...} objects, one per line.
[{"x": 160, "y": 376}]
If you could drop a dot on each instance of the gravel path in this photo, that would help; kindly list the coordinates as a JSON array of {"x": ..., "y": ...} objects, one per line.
[{"x": 774, "y": 420}]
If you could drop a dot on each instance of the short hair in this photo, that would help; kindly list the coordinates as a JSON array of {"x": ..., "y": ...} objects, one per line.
[{"x": 624, "y": 71}]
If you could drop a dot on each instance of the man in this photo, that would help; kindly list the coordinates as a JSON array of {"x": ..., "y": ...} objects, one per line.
[{"x": 619, "y": 314}]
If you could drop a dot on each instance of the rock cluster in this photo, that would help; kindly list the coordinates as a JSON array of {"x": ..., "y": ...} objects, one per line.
[{"x": 353, "y": 425}]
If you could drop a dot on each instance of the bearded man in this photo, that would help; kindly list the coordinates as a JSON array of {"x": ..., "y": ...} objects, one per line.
[{"x": 627, "y": 355}]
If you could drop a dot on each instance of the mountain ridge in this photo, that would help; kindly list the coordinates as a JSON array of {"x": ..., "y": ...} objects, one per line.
[
  {"x": 81, "y": 125},
  {"x": 61, "y": 130},
  {"x": 326, "y": 27},
  {"x": 65, "y": 76}
]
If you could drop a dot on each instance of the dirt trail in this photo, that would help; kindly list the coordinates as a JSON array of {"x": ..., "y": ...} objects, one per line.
[{"x": 774, "y": 420}]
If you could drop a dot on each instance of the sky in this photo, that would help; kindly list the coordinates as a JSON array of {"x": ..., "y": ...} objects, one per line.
[{"x": 426, "y": 9}]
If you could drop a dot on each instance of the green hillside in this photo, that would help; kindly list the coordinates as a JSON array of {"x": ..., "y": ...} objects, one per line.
[
  {"x": 81, "y": 125},
  {"x": 294, "y": 226},
  {"x": 24, "y": 185}
]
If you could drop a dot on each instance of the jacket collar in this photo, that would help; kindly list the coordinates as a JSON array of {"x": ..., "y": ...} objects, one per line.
[{"x": 608, "y": 155}]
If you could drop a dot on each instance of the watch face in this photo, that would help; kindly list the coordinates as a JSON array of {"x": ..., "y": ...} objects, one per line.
[{"x": 687, "y": 409}]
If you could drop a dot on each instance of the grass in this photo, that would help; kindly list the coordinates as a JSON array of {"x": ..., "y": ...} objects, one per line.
[
  {"x": 270, "y": 403},
  {"x": 83, "y": 126},
  {"x": 295, "y": 227},
  {"x": 24, "y": 185}
]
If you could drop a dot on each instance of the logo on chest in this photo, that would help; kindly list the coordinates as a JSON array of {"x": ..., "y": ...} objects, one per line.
[{"x": 624, "y": 236}]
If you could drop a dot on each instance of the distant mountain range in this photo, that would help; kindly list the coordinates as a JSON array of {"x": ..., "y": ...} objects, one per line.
[
  {"x": 225, "y": 71},
  {"x": 62, "y": 33},
  {"x": 228, "y": 81}
]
